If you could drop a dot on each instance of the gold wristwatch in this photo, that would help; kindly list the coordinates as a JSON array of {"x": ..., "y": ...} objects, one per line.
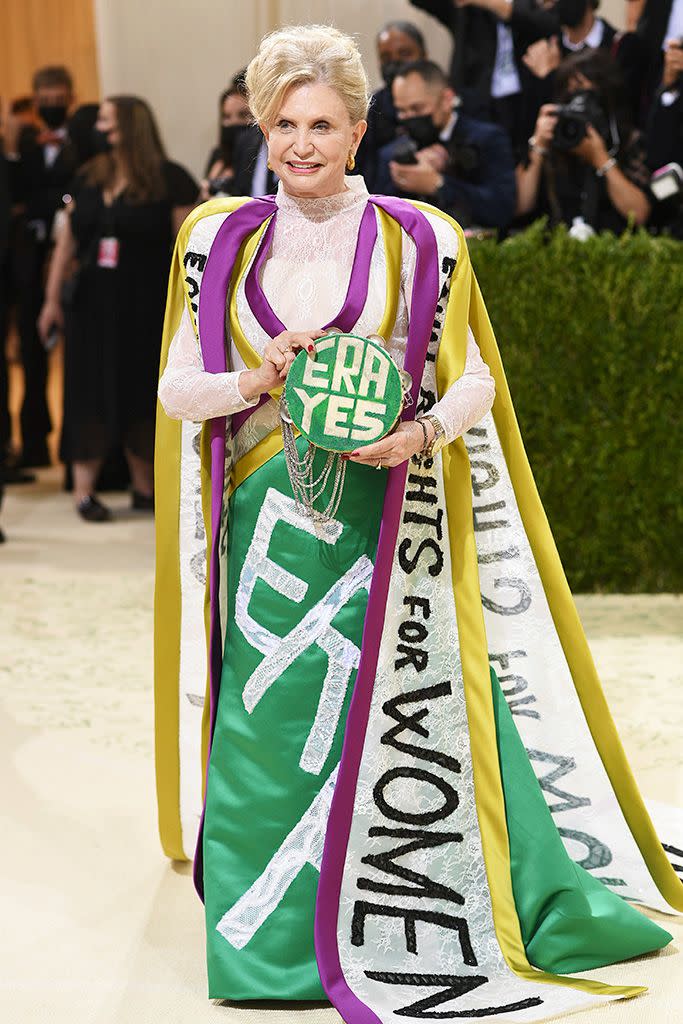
[{"x": 439, "y": 439}]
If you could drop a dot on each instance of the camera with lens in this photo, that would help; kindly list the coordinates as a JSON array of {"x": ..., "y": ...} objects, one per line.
[
  {"x": 220, "y": 186},
  {"x": 573, "y": 118}
]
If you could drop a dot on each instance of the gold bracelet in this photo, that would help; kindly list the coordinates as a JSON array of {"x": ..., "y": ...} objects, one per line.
[
  {"x": 424, "y": 434},
  {"x": 438, "y": 440}
]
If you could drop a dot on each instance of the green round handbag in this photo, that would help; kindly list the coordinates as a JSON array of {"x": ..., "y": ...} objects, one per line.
[{"x": 349, "y": 396}]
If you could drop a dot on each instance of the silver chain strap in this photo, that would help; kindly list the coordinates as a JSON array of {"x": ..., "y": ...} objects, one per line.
[{"x": 306, "y": 488}]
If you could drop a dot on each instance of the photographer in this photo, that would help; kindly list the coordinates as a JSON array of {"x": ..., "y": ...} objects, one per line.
[
  {"x": 234, "y": 119},
  {"x": 460, "y": 165},
  {"x": 586, "y": 163},
  {"x": 578, "y": 28}
]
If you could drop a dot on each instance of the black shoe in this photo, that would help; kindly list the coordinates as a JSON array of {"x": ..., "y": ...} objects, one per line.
[
  {"x": 93, "y": 511},
  {"x": 14, "y": 475},
  {"x": 142, "y": 502},
  {"x": 34, "y": 458}
]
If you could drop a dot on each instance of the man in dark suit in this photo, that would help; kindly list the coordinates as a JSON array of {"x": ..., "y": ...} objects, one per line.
[
  {"x": 252, "y": 176},
  {"x": 4, "y": 397},
  {"x": 504, "y": 49},
  {"x": 463, "y": 166},
  {"x": 398, "y": 42},
  {"x": 490, "y": 38},
  {"x": 41, "y": 169}
]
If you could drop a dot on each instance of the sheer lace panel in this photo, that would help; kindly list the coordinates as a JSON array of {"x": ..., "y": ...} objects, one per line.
[
  {"x": 187, "y": 391},
  {"x": 471, "y": 396},
  {"x": 307, "y": 270}
]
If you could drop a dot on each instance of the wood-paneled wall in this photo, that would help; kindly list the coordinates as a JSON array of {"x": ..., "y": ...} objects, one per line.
[{"x": 34, "y": 33}]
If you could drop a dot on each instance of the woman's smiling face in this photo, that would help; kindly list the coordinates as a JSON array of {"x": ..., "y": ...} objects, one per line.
[{"x": 310, "y": 140}]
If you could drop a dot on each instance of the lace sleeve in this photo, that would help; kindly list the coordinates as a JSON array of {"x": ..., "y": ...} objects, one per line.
[
  {"x": 187, "y": 391},
  {"x": 469, "y": 398}
]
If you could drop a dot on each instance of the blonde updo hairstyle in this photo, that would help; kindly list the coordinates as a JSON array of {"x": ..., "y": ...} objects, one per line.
[{"x": 301, "y": 54}]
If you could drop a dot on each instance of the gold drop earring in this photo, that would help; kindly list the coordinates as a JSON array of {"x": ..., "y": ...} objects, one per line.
[{"x": 351, "y": 160}]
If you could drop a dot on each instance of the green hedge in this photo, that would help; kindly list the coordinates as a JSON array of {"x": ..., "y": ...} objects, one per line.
[{"x": 591, "y": 336}]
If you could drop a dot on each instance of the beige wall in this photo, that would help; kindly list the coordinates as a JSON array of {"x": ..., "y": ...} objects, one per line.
[{"x": 180, "y": 56}]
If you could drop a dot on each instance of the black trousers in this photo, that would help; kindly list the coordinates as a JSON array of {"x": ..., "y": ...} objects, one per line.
[{"x": 29, "y": 271}]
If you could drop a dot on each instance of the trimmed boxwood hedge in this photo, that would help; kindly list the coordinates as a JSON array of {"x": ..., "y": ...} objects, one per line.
[{"x": 591, "y": 336}]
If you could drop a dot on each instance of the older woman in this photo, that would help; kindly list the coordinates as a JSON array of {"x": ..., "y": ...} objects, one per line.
[{"x": 373, "y": 828}]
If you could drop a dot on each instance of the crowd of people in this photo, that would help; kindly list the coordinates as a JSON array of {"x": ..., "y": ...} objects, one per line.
[
  {"x": 91, "y": 206},
  {"x": 545, "y": 110}
]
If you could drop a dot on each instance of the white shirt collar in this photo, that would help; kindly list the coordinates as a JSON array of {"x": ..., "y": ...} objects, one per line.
[
  {"x": 593, "y": 39},
  {"x": 445, "y": 135}
]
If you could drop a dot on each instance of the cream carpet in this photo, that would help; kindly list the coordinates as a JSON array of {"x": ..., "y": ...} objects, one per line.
[{"x": 97, "y": 927}]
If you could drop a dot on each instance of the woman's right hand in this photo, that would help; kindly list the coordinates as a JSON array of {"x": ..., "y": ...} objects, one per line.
[
  {"x": 278, "y": 356},
  {"x": 51, "y": 315},
  {"x": 543, "y": 57},
  {"x": 545, "y": 125}
]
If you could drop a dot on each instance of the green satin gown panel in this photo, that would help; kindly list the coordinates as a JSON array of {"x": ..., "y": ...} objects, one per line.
[
  {"x": 258, "y": 793},
  {"x": 570, "y": 921}
]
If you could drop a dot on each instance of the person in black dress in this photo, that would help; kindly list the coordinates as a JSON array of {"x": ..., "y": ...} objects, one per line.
[{"x": 126, "y": 207}]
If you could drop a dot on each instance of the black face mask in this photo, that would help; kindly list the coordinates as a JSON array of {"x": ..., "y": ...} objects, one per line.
[
  {"x": 54, "y": 115},
  {"x": 389, "y": 69},
  {"x": 230, "y": 136},
  {"x": 101, "y": 142},
  {"x": 422, "y": 130},
  {"x": 571, "y": 12}
]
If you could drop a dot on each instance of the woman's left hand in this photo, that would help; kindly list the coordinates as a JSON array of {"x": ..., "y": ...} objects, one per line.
[{"x": 397, "y": 447}]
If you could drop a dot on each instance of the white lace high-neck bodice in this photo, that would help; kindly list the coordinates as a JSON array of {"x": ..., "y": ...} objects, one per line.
[
  {"x": 305, "y": 277},
  {"x": 308, "y": 267}
]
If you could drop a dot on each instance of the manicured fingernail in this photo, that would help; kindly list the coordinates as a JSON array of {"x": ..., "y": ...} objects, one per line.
[
  {"x": 355, "y": 453},
  {"x": 345, "y": 458}
]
